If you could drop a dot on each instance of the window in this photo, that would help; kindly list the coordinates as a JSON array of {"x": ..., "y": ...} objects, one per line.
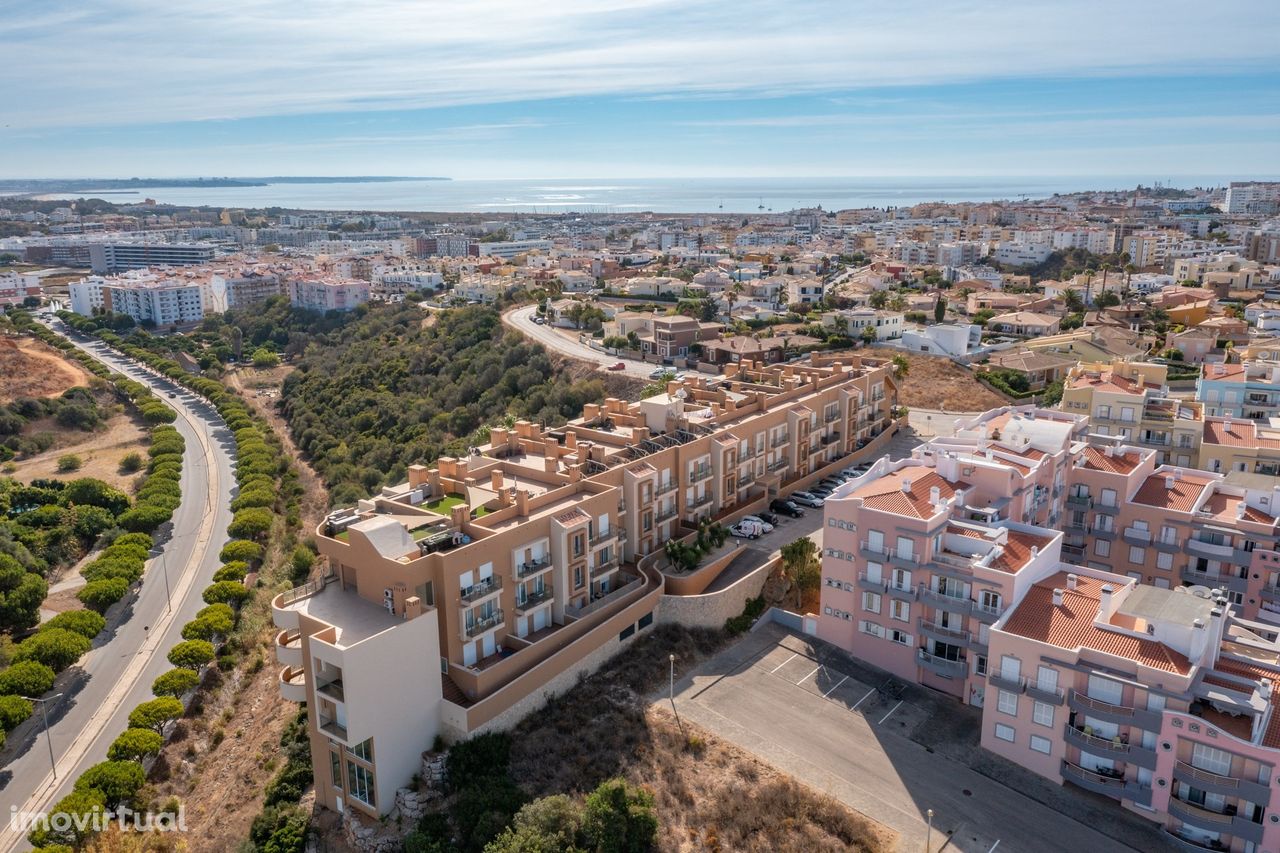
[
  {"x": 1042, "y": 714},
  {"x": 871, "y": 628},
  {"x": 1164, "y": 561},
  {"x": 871, "y": 602},
  {"x": 901, "y": 579},
  {"x": 874, "y": 571},
  {"x": 1041, "y": 744},
  {"x": 1168, "y": 535},
  {"x": 625, "y": 633},
  {"x": 1007, "y": 702},
  {"x": 989, "y": 601},
  {"x": 1208, "y": 758},
  {"x": 1108, "y": 497},
  {"x": 335, "y": 768},
  {"x": 645, "y": 620},
  {"x": 980, "y": 665},
  {"x": 361, "y": 783},
  {"x": 1005, "y": 732},
  {"x": 1137, "y": 556},
  {"x": 900, "y": 637},
  {"x": 900, "y": 610},
  {"x": 1047, "y": 678},
  {"x": 363, "y": 750},
  {"x": 1102, "y": 548}
]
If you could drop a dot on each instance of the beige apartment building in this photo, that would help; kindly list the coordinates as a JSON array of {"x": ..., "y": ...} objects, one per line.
[
  {"x": 458, "y": 600},
  {"x": 1130, "y": 401}
]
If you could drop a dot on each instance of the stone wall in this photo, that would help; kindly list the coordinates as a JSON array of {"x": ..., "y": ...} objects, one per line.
[
  {"x": 702, "y": 577},
  {"x": 711, "y": 609}
]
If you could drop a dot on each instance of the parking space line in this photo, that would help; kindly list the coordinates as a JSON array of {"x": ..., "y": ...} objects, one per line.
[
  {"x": 863, "y": 699},
  {"x": 833, "y": 689},
  {"x": 891, "y": 710},
  {"x": 794, "y": 655},
  {"x": 810, "y": 675}
]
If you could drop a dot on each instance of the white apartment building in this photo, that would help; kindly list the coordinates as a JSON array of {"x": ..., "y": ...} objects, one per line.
[
  {"x": 852, "y": 322},
  {"x": 119, "y": 257},
  {"x": 16, "y": 287},
  {"x": 507, "y": 249},
  {"x": 164, "y": 302},
  {"x": 405, "y": 278},
  {"x": 1258, "y": 197},
  {"x": 316, "y": 294},
  {"x": 1099, "y": 241},
  {"x": 1020, "y": 254}
]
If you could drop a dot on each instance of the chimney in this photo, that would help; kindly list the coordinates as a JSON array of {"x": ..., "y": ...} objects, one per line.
[
  {"x": 522, "y": 502},
  {"x": 1199, "y": 640},
  {"x": 459, "y": 515},
  {"x": 412, "y": 607},
  {"x": 571, "y": 438},
  {"x": 935, "y": 495},
  {"x": 1168, "y": 483},
  {"x": 1111, "y": 450},
  {"x": 906, "y": 485},
  {"x": 1035, "y": 552},
  {"x": 1057, "y": 598},
  {"x": 1073, "y": 580},
  {"x": 495, "y": 479},
  {"x": 1104, "y": 601}
]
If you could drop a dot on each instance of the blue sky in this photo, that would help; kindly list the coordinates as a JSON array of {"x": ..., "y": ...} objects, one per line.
[{"x": 639, "y": 88}]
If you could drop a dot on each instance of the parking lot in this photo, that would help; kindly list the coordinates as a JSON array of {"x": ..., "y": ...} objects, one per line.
[{"x": 850, "y": 736}]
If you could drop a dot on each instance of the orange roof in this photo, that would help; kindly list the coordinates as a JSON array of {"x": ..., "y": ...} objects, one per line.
[
  {"x": 1271, "y": 737},
  {"x": 1230, "y": 432},
  {"x": 1017, "y": 551},
  {"x": 886, "y": 494},
  {"x": 1108, "y": 381},
  {"x": 1182, "y": 497},
  {"x": 1226, "y": 507},
  {"x": 1070, "y": 626},
  {"x": 1121, "y": 463},
  {"x": 1225, "y": 372}
]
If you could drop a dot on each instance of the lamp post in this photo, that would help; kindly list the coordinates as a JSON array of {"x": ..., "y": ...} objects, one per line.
[
  {"x": 928, "y": 837},
  {"x": 44, "y": 713},
  {"x": 672, "y": 660}
]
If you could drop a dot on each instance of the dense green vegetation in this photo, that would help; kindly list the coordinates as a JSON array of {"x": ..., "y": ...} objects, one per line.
[{"x": 384, "y": 393}]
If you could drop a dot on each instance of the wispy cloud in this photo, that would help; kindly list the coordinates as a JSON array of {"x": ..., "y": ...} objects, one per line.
[{"x": 113, "y": 62}]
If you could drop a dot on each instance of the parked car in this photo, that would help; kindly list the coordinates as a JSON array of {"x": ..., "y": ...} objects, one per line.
[
  {"x": 823, "y": 492},
  {"x": 745, "y": 530},
  {"x": 657, "y": 373},
  {"x": 765, "y": 526},
  {"x": 618, "y": 366},
  {"x": 767, "y": 517},
  {"x": 538, "y": 321},
  {"x": 786, "y": 507},
  {"x": 808, "y": 499},
  {"x": 833, "y": 482}
]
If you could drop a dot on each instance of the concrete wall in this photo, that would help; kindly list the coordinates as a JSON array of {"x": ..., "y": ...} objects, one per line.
[
  {"x": 702, "y": 577},
  {"x": 711, "y": 609}
]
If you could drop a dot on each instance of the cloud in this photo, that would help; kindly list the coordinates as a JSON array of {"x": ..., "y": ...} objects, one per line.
[{"x": 121, "y": 62}]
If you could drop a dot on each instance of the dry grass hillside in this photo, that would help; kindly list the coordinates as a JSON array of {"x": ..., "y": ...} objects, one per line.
[{"x": 29, "y": 368}]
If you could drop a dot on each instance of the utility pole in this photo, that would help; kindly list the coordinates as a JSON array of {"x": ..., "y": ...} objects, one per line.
[
  {"x": 928, "y": 837},
  {"x": 44, "y": 713}
]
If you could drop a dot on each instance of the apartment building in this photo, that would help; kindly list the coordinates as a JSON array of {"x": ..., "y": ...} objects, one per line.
[
  {"x": 1248, "y": 390},
  {"x": 159, "y": 301},
  {"x": 15, "y": 288},
  {"x": 1239, "y": 445},
  {"x": 119, "y": 257},
  {"x": 328, "y": 294},
  {"x": 672, "y": 337},
  {"x": 1253, "y": 197},
  {"x": 921, "y": 556},
  {"x": 1130, "y": 400},
  {"x": 227, "y": 290},
  {"x": 887, "y": 325},
  {"x": 459, "y": 599}
]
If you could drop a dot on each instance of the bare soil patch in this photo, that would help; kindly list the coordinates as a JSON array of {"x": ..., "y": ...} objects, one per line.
[
  {"x": 615, "y": 384},
  {"x": 29, "y": 368},
  {"x": 933, "y": 382},
  {"x": 99, "y": 451}
]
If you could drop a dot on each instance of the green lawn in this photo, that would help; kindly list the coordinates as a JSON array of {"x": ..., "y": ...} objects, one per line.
[{"x": 445, "y": 504}]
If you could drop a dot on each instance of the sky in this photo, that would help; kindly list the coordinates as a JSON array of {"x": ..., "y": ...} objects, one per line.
[{"x": 639, "y": 88}]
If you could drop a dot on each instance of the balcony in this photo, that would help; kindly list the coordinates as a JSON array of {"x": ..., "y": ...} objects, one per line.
[
  {"x": 778, "y": 466},
  {"x": 1050, "y": 693},
  {"x": 779, "y": 440},
  {"x": 987, "y": 613},
  {"x": 876, "y": 585},
  {"x": 293, "y": 684},
  {"x": 664, "y": 488},
  {"x": 700, "y": 474},
  {"x": 533, "y": 567},
  {"x": 699, "y": 503},
  {"x": 534, "y": 600},
  {"x": 956, "y": 602},
  {"x": 478, "y": 591},
  {"x": 664, "y": 515},
  {"x": 1118, "y": 746},
  {"x": 333, "y": 689},
  {"x": 1134, "y": 536},
  {"x": 942, "y": 666},
  {"x": 289, "y": 649},
  {"x": 831, "y": 418},
  {"x": 1103, "y": 531},
  {"x": 1122, "y": 715},
  {"x": 1270, "y": 593},
  {"x": 604, "y": 568},
  {"x": 830, "y": 439},
  {"x": 1107, "y": 784},
  {"x": 1109, "y": 508},
  {"x": 1228, "y": 786},
  {"x": 1210, "y": 550},
  {"x": 903, "y": 591},
  {"x": 605, "y": 536},
  {"x": 1164, "y": 543},
  {"x": 476, "y": 627},
  {"x": 945, "y": 634},
  {"x": 1011, "y": 683},
  {"x": 333, "y": 729},
  {"x": 1231, "y": 582},
  {"x": 1210, "y": 821}
]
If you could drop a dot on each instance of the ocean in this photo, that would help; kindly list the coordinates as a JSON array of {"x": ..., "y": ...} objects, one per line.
[{"x": 668, "y": 195}]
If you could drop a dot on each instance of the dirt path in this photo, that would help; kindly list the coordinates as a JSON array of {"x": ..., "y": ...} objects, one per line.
[{"x": 29, "y": 368}]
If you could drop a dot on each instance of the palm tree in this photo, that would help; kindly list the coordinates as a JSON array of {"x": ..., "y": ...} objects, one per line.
[{"x": 901, "y": 365}]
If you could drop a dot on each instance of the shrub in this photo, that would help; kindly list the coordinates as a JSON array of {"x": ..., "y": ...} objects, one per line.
[
  {"x": 192, "y": 654},
  {"x": 26, "y": 678},
  {"x": 156, "y": 714},
  {"x": 139, "y": 539},
  {"x": 135, "y": 745},
  {"x": 233, "y": 571},
  {"x": 482, "y": 811},
  {"x": 617, "y": 818},
  {"x": 473, "y": 760},
  {"x": 79, "y": 806},
  {"x": 225, "y": 592},
  {"x": 240, "y": 549},
  {"x": 119, "y": 781},
  {"x": 144, "y": 518},
  {"x": 101, "y": 594},
  {"x": 250, "y": 523},
  {"x": 13, "y": 710},
  {"x": 69, "y": 462},
  {"x": 131, "y": 463},
  {"x": 279, "y": 829},
  {"x": 86, "y": 623},
  {"x": 56, "y": 648},
  {"x": 302, "y": 560},
  {"x": 175, "y": 682}
]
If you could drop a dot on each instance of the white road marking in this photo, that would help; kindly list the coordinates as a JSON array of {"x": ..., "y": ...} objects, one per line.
[
  {"x": 810, "y": 675},
  {"x": 863, "y": 699},
  {"x": 794, "y": 655},
  {"x": 891, "y": 710},
  {"x": 833, "y": 689}
]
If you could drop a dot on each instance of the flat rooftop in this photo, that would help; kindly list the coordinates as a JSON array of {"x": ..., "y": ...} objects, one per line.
[{"x": 354, "y": 618}]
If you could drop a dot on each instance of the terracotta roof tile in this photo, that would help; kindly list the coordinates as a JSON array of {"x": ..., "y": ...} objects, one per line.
[
  {"x": 1121, "y": 463},
  {"x": 1070, "y": 626},
  {"x": 1017, "y": 551},
  {"x": 1182, "y": 497},
  {"x": 1231, "y": 432},
  {"x": 1271, "y": 737},
  {"x": 886, "y": 494}
]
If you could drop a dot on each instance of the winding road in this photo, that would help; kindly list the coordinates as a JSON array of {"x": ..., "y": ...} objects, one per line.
[
  {"x": 521, "y": 319},
  {"x": 116, "y": 674}
]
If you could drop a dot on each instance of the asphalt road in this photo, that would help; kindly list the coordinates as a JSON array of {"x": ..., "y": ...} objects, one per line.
[
  {"x": 116, "y": 674},
  {"x": 521, "y": 319}
]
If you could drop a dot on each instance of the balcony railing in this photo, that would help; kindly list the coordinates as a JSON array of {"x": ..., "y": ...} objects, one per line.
[
  {"x": 1136, "y": 536},
  {"x": 602, "y": 537},
  {"x": 699, "y": 503},
  {"x": 1093, "y": 743},
  {"x": 534, "y": 599},
  {"x": 1112, "y": 785},
  {"x": 480, "y": 590},
  {"x": 663, "y": 488},
  {"x": 604, "y": 568},
  {"x": 1216, "y": 783},
  {"x": 1119, "y": 714},
  {"x": 779, "y": 465},
  {"x": 480, "y": 626},
  {"x": 1051, "y": 693},
  {"x": 949, "y": 634},
  {"x": 1009, "y": 683},
  {"x": 700, "y": 474},
  {"x": 780, "y": 440},
  {"x": 524, "y": 570},
  {"x": 664, "y": 515},
  {"x": 955, "y": 601},
  {"x": 941, "y": 665},
  {"x": 333, "y": 689}
]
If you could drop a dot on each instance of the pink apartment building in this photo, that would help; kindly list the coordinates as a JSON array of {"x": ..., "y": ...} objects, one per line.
[{"x": 1115, "y": 620}]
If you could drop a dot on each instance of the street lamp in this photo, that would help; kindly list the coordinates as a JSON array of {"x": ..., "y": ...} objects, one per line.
[
  {"x": 44, "y": 713},
  {"x": 672, "y": 659},
  {"x": 928, "y": 837}
]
